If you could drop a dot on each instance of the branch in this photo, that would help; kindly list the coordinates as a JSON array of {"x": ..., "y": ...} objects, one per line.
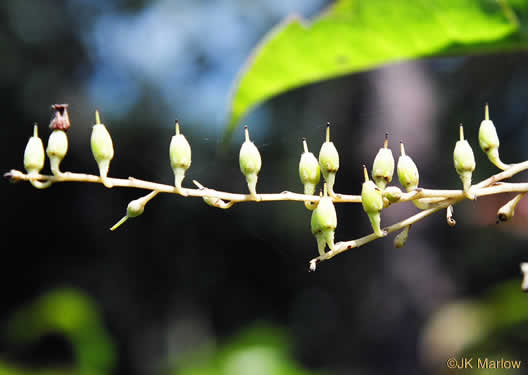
[
  {"x": 489, "y": 186},
  {"x": 341, "y": 247},
  {"x": 376, "y": 194},
  {"x": 131, "y": 182}
]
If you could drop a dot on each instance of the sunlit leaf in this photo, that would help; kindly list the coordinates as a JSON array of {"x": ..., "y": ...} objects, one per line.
[{"x": 357, "y": 35}]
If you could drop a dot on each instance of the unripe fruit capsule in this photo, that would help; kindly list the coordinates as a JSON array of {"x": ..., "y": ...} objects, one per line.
[
  {"x": 250, "y": 163},
  {"x": 329, "y": 161},
  {"x": 102, "y": 148},
  {"x": 309, "y": 173},
  {"x": 57, "y": 149},
  {"x": 180, "y": 157},
  {"x": 407, "y": 171},
  {"x": 464, "y": 161},
  {"x": 507, "y": 211},
  {"x": 309, "y": 170},
  {"x": 324, "y": 223},
  {"x": 34, "y": 158},
  {"x": 383, "y": 166},
  {"x": 135, "y": 208},
  {"x": 372, "y": 202},
  {"x": 392, "y": 193},
  {"x": 488, "y": 137},
  {"x": 401, "y": 238},
  {"x": 489, "y": 141}
]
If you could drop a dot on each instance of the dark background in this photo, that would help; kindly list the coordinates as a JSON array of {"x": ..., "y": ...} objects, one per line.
[{"x": 185, "y": 274}]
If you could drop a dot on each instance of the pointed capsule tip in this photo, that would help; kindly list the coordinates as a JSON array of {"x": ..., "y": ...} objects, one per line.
[
  {"x": 97, "y": 117},
  {"x": 35, "y": 130},
  {"x": 328, "y": 131},
  {"x": 177, "y": 126},
  {"x": 305, "y": 145},
  {"x": 486, "y": 112},
  {"x": 402, "y": 148},
  {"x": 461, "y": 132},
  {"x": 246, "y": 133},
  {"x": 386, "y": 142},
  {"x": 365, "y": 173}
]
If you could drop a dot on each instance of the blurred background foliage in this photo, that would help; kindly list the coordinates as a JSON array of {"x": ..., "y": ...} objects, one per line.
[{"x": 181, "y": 289}]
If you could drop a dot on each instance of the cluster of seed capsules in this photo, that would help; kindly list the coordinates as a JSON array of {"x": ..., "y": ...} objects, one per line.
[
  {"x": 375, "y": 194},
  {"x": 34, "y": 156}
]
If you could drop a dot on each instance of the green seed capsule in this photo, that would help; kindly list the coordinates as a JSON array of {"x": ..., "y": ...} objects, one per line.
[
  {"x": 488, "y": 138},
  {"x": 34, "y": 158},
  {"x": 383, "y": 166},
  {"x": 57, "y": 149},
  {"x": 372, "y": 201},
  {"x": 324, "y": 223},
  {"x": 309, "y": 170},
  {"x": 401, "y": 238},
  {"x": 180, "y": 157},
  {"x": 135, "y": 208},
  {"x": 102, "y": 148},
  {"x": 329, "y": 161},
  {"x": 250, "y": 163},
  {"x": 392, "y": 193},
  {"x": 507, "y": 211},
  {"x": 407, "y": 171},
  {"x": 213, "y": 201},
  {"x": 489, "y": 141},
  {"x": 464, "y": 161},
  {"x": 58, "y": 141},
  {"x": 310, "y": 173}
]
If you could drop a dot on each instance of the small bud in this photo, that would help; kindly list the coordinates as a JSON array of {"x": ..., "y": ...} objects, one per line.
[
  {"x": 34, "y": 158},
  {"x": 489, "y": 140},
  {"x": 449, "y": 216},
  {"x": 102, "y": 148},
  {"x": 464, "y": 162},
  {"x": 135, "y": 208},
  {"x": 507, "y": 211},
  {"x": 401, "y": 238},
  {"x": 329, "y": 161},
  {"x": 57, "y": 149},
  {"x": 424, "y": 203},
  {"x": 407, "y": 171},
  {"x": 213, "y": 201},
  {"x": 383, "y": 166},
  {"x": 180, "y": 157},
  {"x": 250, "y": 163},
  {"x": 392, "y": 193},
  {"x": 324, "y": 223},
  {"x": 372, "y": 201},
  {"x": 524, "y": 270}
]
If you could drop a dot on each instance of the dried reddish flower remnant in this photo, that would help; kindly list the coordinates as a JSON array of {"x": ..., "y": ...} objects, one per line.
[{"x": 61, "y": 120}]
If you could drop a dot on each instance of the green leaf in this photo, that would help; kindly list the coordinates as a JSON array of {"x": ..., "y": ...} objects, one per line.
[
  {"x": 70, "y": 313},
  {"x": 354, "y": 35}
]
